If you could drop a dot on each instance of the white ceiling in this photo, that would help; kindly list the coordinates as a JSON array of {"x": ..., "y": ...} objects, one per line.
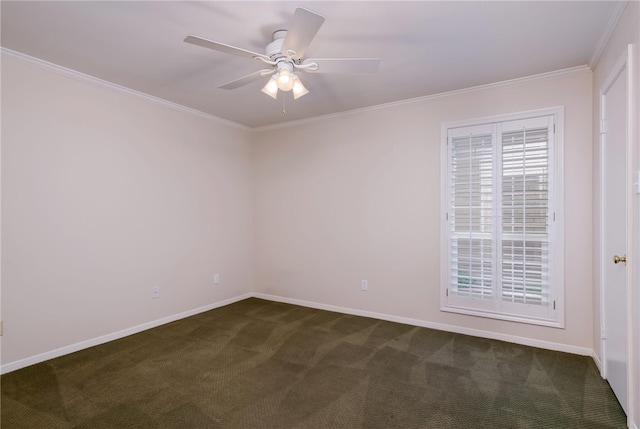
[{"x": 425, "y": 47}]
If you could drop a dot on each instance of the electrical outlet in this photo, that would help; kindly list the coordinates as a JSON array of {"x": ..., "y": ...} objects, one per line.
[
  {"x": 216, "y": 279},
  {"x": 365, "y": 285},
  {"x": 155, "y": 292}
]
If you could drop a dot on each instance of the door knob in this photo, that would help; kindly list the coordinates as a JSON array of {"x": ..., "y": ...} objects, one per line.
[{"x": 618, "y": 259}]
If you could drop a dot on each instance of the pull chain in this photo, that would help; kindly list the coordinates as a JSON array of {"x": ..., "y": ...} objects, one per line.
[{"x": 284, "y": 109}]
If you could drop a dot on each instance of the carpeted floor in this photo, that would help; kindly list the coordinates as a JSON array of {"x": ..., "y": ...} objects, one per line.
[{"x": 261, "y": 364}]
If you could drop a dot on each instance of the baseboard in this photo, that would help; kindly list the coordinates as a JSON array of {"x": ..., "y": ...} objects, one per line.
[
  {"x": 32, "y": 360},
  {"x": 583, "y": 351},
  {"x": 598, "y": 362},
  {"x": 12, "y": 366}
]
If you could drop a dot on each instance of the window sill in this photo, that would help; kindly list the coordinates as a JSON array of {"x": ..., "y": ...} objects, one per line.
[{"x": 552, "y": 323}]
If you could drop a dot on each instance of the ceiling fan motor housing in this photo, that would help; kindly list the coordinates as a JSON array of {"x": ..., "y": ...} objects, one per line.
[{"x": 274, "y": 49}]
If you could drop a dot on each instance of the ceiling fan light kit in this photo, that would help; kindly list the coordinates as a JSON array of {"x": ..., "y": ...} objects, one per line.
[
  {"x": 284, "y": 81},
  {"x": 285, "y": 77},
  {"x": 271, "y": 88},
  {"x": 285, "y": 55},
  {"x": 298, "y": 88}
]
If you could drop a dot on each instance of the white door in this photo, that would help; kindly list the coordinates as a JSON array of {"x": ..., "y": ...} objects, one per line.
[{"x": 615, "y": 233}]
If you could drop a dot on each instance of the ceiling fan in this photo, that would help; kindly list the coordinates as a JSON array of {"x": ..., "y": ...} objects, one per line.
[{"x": 285, "y": 56}]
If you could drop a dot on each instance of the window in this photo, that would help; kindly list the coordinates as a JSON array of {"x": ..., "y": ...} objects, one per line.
[{"x": 502, "y": 217}]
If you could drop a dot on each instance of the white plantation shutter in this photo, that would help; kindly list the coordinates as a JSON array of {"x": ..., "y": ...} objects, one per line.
[
  {"x": 525, "y": 215},
  {"x": 500, "y": 220},
  {"x": 472, "y": 215}
]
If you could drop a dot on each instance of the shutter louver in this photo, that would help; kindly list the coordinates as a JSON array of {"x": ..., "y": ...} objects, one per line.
[
  {"x": 471, "y": 221},
  {"x": 525, "y": 216}
]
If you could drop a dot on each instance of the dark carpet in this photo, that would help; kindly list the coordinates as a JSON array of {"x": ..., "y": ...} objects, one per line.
[{"x": 262, "y": 364}]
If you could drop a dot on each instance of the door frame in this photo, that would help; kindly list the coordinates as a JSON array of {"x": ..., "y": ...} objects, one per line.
[{"x": 623, "y": 66}]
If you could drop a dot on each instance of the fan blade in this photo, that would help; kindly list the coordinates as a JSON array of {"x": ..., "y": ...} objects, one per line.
[
  {"x": 302, "y": 29},
  {"x": 246, "y": 79},
  {"x": 343, "y": 65},
  {"x": 227, "y": 49}
]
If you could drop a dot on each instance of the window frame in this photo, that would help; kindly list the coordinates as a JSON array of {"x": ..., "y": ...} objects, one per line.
[{"x": 496, "y": 308}]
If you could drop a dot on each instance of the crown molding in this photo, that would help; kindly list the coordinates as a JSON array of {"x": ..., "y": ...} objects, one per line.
[
  {"x": 572, "y": 71},
  {"x": 141, "y": 95},
  {"x": 615, "y": 16},
  {"x": 92, "y": 80}
]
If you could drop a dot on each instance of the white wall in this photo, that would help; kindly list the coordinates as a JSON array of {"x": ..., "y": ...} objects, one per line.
[
  {"x": 357, "y": 197},
  {"x": 627, "y": 31},
  {"x": 106, "y": 194}
]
